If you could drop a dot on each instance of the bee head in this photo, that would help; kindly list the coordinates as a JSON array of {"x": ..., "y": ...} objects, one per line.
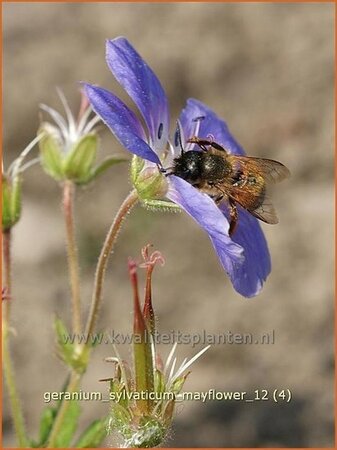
[{"x": 188, "y": 166}]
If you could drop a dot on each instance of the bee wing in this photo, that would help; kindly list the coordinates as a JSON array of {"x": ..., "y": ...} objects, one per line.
[
  {"x": 257, "y": 203},
  {"x": 265, "y": 211},
  {"x": 272, "y": 171}
]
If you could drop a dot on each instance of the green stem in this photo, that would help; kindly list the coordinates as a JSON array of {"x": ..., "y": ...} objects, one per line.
[
  {"x": 74, "y": 279},
  {"x": 14, "y": 399},
  {"x": 103, "y": 259},
  {"x": 7, "y": 261},
  {"x": 58, "y": 423}
]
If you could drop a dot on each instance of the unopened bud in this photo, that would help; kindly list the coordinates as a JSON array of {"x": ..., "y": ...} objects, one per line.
[
  {"x": 149, "y": 182},
  {"x": 11, "y": 201}
]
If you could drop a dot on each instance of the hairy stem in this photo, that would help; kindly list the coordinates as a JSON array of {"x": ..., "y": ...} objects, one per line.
[
  {"x": 7, "y": 284},
  {"x": 58, "y": 423},
  {"x": 103, "y": 259},
  {"x": 14, "y": 399},
  {"x": 74, "y": 279}
]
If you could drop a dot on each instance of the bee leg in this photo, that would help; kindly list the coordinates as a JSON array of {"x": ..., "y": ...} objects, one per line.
[
  {"x": 233, "y": 213},
  {"x": 204, "y": 143},
  {"x": 218, "y": 198},
  {"x": 200, "y": 142},
  {"x": 217, "y": 146}
]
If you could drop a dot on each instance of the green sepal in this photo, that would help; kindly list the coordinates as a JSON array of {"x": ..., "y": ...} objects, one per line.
[
  {"x": 78, "y": 163},
  {"x": 160, "y": 205},
  {"x": 93, "y": 435},
  {"x": 70, "y": 422},
  {"x": 103, "y": 166},
  {"x": 6, "y": 205},
  {"x": 179, "y": 383},
  {"x": 51, "y": 155},
  {"x": 137, "y": 164},
  {"x": 150, "y": 433},
  {"x": 148, "y": 181},
  {"x": 16, "y": 199},
  {"x": 120, "y": 420},
  {"x": 159, "y": 381}
]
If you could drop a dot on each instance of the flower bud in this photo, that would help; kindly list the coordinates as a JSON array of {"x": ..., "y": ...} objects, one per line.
[
  {"x": 11, "y": 201},
  {"x": 51, "y": 156},
  {"x": 149, "y": 182},
  {"x": 78, "y": 163},
  {"x": 68, "y": 148},
  {"x": 143, "y": 399}
]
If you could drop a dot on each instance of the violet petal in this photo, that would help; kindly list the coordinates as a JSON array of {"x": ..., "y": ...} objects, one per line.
[
  {"x": 249, "y": 277},
  {"x": 204, "y": 211},
  {"x": 211, "y": 124},
  {"x": 121, "y": 121},
  {"x": 142, "y": 85}
]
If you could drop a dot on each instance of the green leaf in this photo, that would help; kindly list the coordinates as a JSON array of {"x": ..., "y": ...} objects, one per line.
[
  {"x": 46, "y": 424},
  {"x": 70, "y": 422},
  {"x": 51, "y": 155},
  {"x": 79, "y": 161},
  {"x": 65, "y": 347},
  {"x": 104, "y": 165},
  {"x": 93, "y": 436},
  {"x": 76, "y": 356}
]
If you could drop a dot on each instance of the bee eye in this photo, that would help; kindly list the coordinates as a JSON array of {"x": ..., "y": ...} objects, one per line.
[{"x": 160, "y": 130}]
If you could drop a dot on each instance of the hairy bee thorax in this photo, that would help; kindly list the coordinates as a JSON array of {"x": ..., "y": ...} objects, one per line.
[
  {"x": 215, "y": 168},
  {"x": 199, "y": 168}
]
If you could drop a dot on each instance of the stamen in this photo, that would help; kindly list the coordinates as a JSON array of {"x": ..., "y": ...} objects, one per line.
[{"x": 197, "y": 122}]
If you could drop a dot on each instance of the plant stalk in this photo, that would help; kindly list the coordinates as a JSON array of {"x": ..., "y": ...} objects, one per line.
[
  {"x": 103, "y": 259},
  {"x": 14, "y": 399},
  {"x": 74, "y": 279}
]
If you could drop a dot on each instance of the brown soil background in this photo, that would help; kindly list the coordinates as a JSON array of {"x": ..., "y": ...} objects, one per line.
[{"x": 267, "y": 69}]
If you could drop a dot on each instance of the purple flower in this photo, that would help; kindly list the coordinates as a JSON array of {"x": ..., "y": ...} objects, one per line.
[{"x": 244, "y": 255}]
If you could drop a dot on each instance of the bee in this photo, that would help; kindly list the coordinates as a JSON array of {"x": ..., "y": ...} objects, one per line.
[{"x": 241, "y": 180}]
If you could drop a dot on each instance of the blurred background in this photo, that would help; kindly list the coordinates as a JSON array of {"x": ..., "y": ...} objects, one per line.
[{"x": 267, "y": 69}]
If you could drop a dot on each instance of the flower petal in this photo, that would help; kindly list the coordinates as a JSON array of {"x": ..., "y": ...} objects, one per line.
[
  {"x": 248, "y": 278},
  {"x": 121, "y": 121},
  {"x": 204, "y": 211},
  {"x": 211, "y": 124},
  {"x": 143, "y": 87}
]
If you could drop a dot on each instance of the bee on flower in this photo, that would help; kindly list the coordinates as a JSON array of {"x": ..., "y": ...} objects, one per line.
[{"x": 244, "y": 254}]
